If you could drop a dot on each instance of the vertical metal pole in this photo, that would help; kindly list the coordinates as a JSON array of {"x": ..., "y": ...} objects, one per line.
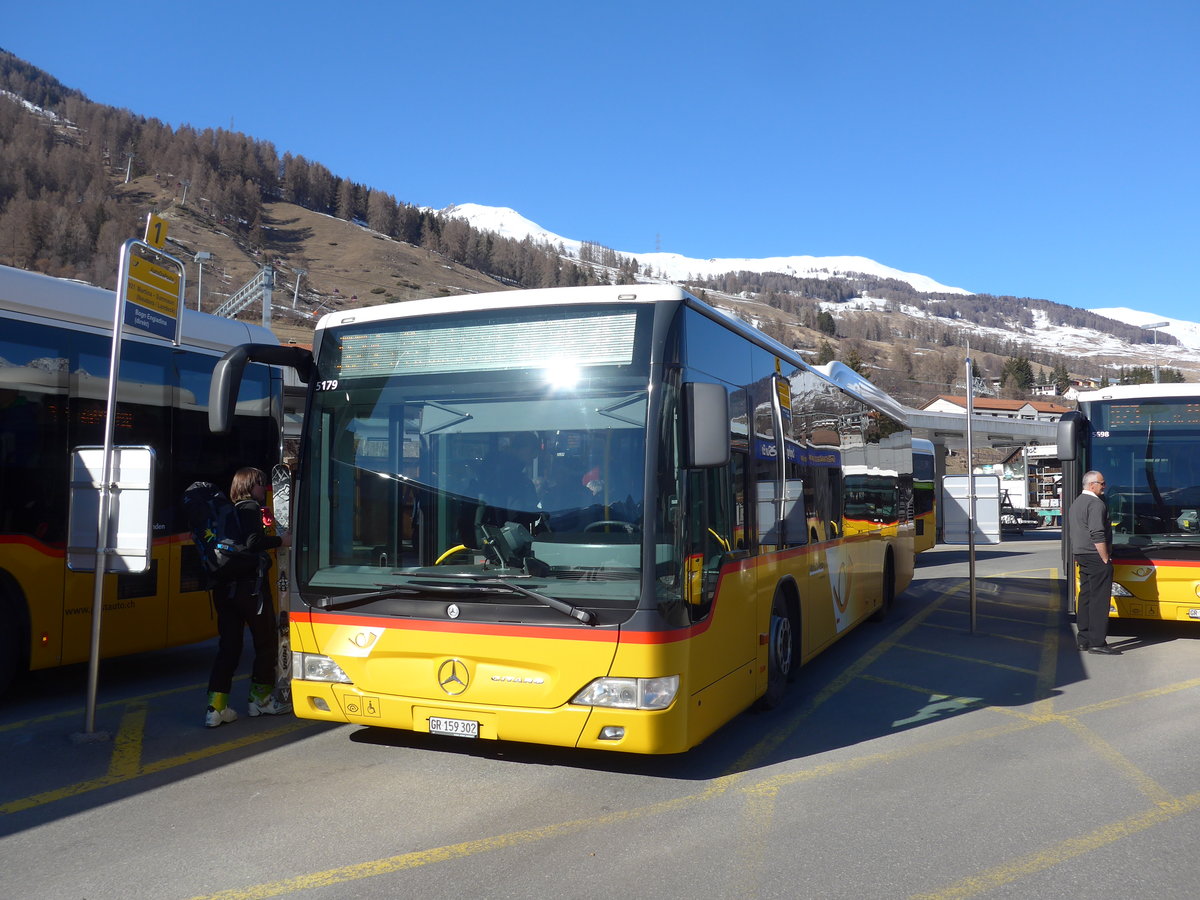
[
  {"x": 106, "y": 486},
  {"x": 970, "y": 488},
  {"x": 296, "y": 290}
]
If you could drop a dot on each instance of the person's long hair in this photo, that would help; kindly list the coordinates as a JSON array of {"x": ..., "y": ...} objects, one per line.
[{"x": 244, "y": 483}]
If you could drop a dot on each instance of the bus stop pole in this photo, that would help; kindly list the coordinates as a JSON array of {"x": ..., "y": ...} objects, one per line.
[
  {"x": 970, "y": 489},
  {"x": 106, "y": 487}
]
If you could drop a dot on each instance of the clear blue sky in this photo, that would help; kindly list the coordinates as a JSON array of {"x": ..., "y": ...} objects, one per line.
[{"x": 1028, "y": 147}]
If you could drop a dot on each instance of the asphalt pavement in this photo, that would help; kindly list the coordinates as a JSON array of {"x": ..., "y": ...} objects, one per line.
[{"x": 962, "y": 748}]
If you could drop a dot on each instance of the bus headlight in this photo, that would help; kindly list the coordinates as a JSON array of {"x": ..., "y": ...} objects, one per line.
[
  {"x": 630, "y": 693},
  {"x": 1119, "y": 591},
  {"x": 315, "y": 667}
]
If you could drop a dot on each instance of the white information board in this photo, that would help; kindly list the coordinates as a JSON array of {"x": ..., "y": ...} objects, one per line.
[
  {"x": 129, "y": 511},
  {"x": 955, "y": 509}
]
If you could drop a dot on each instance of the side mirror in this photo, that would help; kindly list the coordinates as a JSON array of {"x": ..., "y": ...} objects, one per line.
[
  {"x": 1071, "y": 429},
  {"x": 227, "y": 377},
  {"x": 706, "y": 425}
]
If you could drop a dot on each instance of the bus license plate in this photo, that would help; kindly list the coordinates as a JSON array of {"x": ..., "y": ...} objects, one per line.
[
  {"x": 453, "y": 727},
  {"x": 1194, "y": 613}
]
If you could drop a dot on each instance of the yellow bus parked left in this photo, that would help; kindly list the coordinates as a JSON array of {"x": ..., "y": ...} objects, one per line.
[{"x": 55, "y": 340}]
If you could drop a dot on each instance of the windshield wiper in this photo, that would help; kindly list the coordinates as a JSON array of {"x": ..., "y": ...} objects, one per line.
[
  {"x": 385, "y": 592},
  {"x": 459, "y": 586},
  {"x": 586, "y": 616}
]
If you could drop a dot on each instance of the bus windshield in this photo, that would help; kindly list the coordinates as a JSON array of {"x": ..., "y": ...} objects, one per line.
[
  {"x": 421, "y": 476},
  {"x": 1147, "y": 452}
]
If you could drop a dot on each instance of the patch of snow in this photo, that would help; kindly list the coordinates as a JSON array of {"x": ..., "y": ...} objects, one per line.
[
  {"x": 1187, "y": 333},
  {"x": 511, "y": 224}
]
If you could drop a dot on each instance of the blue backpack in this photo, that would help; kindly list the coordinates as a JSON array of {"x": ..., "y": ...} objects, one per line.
[{"x": 219, "y": 535}]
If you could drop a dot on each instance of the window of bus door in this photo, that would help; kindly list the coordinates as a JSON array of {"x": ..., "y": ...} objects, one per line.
[
  {"x": 764, "y": 463},
  {"x": 701, "y": 515},
  {"x": 715, "y": 505},
  {"x": 824, "y": 408}
]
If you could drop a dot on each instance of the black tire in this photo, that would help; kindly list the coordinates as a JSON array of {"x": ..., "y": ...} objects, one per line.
[
  {"x": 12, "y": 640},
  {"x": 888, "y": 588},
  {"x": 781, "y": 653}
]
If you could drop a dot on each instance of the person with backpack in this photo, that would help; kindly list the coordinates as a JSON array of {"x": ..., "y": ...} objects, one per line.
[{"x": 246, "y": 602}]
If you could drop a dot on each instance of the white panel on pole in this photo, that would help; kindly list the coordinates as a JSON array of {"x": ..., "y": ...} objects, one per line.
[
  {"x": 955, "y": 506},
  {"x": 129, "y": 519}
]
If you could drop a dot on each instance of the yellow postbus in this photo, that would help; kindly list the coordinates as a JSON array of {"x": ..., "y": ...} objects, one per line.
[
  {"x": 1143, "y": 438},
  {"x": 55, "y": 346},
  {"x": 924, "y": 494},
  {"x": 601, "y": 517}
]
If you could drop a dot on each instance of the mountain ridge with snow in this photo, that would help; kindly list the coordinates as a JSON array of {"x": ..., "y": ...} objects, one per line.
[
  {"x": 1187, "y": 333},
  {"x": 509, "y": 223}
]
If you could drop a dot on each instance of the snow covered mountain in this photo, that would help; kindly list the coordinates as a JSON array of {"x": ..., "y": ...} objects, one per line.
[
  {"x": 1063, "y": 340},
  {"x": 511, "y": 224},
  {"x": 1187, "y": 333}
]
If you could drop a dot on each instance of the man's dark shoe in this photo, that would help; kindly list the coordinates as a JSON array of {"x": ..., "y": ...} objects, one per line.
[
  {"x": 1104, "y": 649},
  {"x": 1082, "y": 645}
]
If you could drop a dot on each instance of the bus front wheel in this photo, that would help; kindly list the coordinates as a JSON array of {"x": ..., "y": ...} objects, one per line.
[{"x": 781, "y": 652}]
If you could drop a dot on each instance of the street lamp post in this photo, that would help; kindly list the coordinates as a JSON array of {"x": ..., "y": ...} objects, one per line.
[
  {"x": 201, "y": 258},
  {"x": 1154, "y": 326}
]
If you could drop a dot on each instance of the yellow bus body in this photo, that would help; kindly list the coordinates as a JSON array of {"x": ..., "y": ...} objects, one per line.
[
  {"x": 133, "y": 622},
  {"x": 926, "y": 530},
  {"x": 520, "y": 680},
  {"x": 1159, "y": 589}
]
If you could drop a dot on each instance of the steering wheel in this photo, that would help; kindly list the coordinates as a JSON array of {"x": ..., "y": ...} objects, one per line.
[
  {"x": 449, "y": 553},
  {"x": 627, "y": 527}
]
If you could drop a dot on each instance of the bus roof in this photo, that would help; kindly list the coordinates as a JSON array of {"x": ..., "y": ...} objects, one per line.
[
  {"x": 852, "y": 382},
  {"x": 75, "y": 302},
  {"x": 838, "y": 373},
  {"x": 1140, "y": 392}
]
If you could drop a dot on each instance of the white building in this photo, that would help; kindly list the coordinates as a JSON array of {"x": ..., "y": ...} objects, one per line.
[{"x": 1026, "y": 410}]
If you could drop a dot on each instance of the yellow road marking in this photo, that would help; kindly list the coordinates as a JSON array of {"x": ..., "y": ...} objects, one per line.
[
  {"x": 754, "y": 837},
  {"x": 141, "y": 698},
  {"x": 989, "y": 617},
  {"x": 418, "y": 858},
  {"x": 1037, "y": 642},
  {"x": 1150, "y": 694},
  {"x": 769, "y": 743},
  {"x": 127, "y": 745},
  {"x": 1040, "y": 860},
  {"x": 84, "y": 787},
  {"x": 969, "y": 659},
  {"x": 1120, "y": 762},
  {"x": 1048, "y": 663}
]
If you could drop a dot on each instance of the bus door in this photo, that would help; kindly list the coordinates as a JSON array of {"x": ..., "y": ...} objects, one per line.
[{"x": 719, "y": 586}]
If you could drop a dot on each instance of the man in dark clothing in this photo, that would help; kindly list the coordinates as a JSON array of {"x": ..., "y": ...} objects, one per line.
[{"x": 1091, "y": 545}]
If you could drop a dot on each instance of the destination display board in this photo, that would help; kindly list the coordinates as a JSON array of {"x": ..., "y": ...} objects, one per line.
[{"x": 153, "y": 291}]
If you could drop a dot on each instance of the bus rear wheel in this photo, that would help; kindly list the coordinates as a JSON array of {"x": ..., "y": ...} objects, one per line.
[
  {"x": 12, "y": 638},
  {"x": 781, "y": 652},
  {"x": 888, "y": 589}
]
